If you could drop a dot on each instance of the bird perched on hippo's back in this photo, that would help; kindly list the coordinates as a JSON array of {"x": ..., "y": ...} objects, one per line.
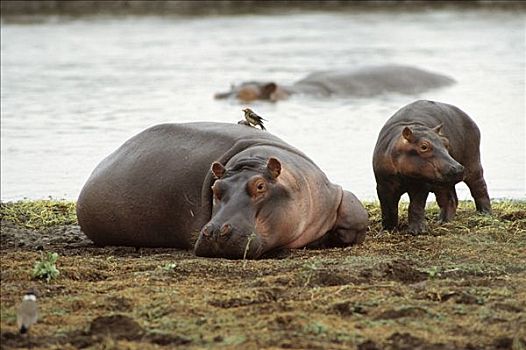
[{"x": 254, "y": 119}]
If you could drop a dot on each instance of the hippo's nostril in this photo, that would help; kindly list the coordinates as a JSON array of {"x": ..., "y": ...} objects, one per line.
[
  {"x": 456, "y": 170},
  {"x": 225, "y": 229},
  {"x": 206, "y": 231}
]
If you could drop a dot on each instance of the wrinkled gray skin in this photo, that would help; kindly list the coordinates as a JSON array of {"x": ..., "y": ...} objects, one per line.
[
  {"x": 427, "y": 147},
  {"x": 360, "y": 82},
  {"x": 155, "y": 191}
]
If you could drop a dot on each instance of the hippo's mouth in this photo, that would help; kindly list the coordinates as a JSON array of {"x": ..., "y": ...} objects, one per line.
[
  {"x": 454, "y": 179},
  {"x": 451, "y": 178},
  {"x": 236, "y": 246}
]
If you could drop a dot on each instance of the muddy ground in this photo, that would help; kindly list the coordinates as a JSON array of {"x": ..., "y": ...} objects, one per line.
[{"x": 462, "y": 286}]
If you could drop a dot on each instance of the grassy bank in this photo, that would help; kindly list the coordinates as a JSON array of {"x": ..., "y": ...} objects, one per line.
[
  {"x": 509, "y": 215},
  {"x": 462, "y": 286}
]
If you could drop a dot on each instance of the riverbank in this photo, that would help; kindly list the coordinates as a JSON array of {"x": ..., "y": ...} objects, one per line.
[
  {"x": 226, "y": 7},
  {"x": 462, "y": 286}
]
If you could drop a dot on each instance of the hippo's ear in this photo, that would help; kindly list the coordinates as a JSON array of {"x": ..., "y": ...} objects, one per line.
[
  {"x": 438, "y": 129},
  {"x": 407, "y": 133},
  {"x": 218, "y": 170},
  {"x": 274, "y": 167},
  {"x": 267, "y": 90}
]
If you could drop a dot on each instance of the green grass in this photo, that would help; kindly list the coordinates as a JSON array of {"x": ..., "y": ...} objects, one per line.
[
  {"x": 508, "y": 221},
  {"x": 39, "y": 214}
]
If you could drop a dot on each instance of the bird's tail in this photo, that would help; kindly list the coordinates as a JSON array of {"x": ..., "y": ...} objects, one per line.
[
  {"x": 262, "y": 127},
  {"x": 23, "y": 329}
]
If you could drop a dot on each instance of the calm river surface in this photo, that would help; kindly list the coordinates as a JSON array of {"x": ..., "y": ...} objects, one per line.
[{"x": 73, "y": 90}]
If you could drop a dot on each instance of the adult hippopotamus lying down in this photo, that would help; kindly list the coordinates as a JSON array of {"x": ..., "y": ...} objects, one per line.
[
  {"x": 226, "y": 190},
  {"x": 361, "y": 82},
  {"x": 427, "y": 147}
]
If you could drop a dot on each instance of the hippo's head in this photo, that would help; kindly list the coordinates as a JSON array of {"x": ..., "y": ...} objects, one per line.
[
  {"x": 247, "y": 200},
  {"x": 254, "y": 90},
  {"x": 422, "y": 153}
]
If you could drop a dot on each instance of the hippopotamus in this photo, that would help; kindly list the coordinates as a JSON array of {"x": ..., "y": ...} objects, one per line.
[
  {"x": 360, "y": 82},
  {"x": 427, "y": 147},
  {"x": 225, "y": 190}
]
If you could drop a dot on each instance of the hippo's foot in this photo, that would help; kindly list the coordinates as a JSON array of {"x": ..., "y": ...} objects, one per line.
[
  {"x": 350, "y": 237},
  {"x": 444, "y": 217},
  {"x": 417, "y": 228},
  {"x": 339, "y": 238},
  {"x": 390, "y": 224},
  {"x": 384, "y": 232},
  {"x": 486, "y": 210},
  {"x": 388, "y": 229}
]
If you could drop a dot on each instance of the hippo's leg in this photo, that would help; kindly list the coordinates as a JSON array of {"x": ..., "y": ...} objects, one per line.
[
  {"x": 417, "y": 208},
  {"x": 447, "y": 201},
  {"x": 479, "y": 191},
  {"x": 389, "y": 197},
  {"x": 350, "y": 227}
]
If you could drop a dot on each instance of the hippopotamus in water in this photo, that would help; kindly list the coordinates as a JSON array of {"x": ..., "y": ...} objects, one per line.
[
  {"x": 226, "y": 190},
  {"x": 361, "y": 82},
  {"x": 427, "y": 147}
]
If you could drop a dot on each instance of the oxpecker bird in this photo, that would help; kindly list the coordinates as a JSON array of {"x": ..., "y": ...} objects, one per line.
[{"x": 253, "y": 118}]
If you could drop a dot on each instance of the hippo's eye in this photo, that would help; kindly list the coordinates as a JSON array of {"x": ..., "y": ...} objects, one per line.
[
  {"x": 257, "y": 187},
  {"x": 424, "y": 147}
]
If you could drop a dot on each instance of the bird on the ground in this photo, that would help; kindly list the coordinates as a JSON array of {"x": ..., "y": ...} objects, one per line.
[
  {"x": 253, "y": 118},
  {"x": 27, "y": 313}
]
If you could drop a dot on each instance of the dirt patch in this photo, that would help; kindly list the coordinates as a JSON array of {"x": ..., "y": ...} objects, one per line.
[
  {"x": 460, "y": 289},
  {"x": 347, "y": 308},
  {"x": 59, "y": 237},
  {"x": 330, "y": 278},
  {"x": 116, "y": 326},
  {"x": 406, "y": 341},
  {"x": 120, "y": 327},
  {"x": 369, "y": 345},
  {"x": 416, "y": 312},
  {"x": 403, "y": 271},
  {"x": 253, "y": 297},
  {"x": 458, "y": 297},
  {"x": 399, "y": 270},
  {"x": 119, "y": 304},
  {"x": 508, "y": 307}
]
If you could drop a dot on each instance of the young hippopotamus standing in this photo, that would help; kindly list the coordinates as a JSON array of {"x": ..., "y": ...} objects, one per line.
[
  {"x": 427, "y": 147},
  {"x": 361, "y": 82},
  {"x": 226, "y": 190}
]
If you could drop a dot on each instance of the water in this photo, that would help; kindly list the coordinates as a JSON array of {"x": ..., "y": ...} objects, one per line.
[{"x": 74, "y": 90}]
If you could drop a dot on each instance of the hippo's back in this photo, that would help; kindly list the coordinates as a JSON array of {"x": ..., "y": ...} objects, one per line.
[
  {"x": 373, "y": 80},
  {"x": 148, "y": 192}
]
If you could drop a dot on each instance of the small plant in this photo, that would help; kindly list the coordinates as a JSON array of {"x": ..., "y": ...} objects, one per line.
[
  {"x": 169, "y": 267},
  {"x": 309, "y": 270},
  {"x": 433, "y": 272},
  {"x": 316, "y": 328},
  {"x": 247, "y": 247},
  {"x": 46, "y": 268}
]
